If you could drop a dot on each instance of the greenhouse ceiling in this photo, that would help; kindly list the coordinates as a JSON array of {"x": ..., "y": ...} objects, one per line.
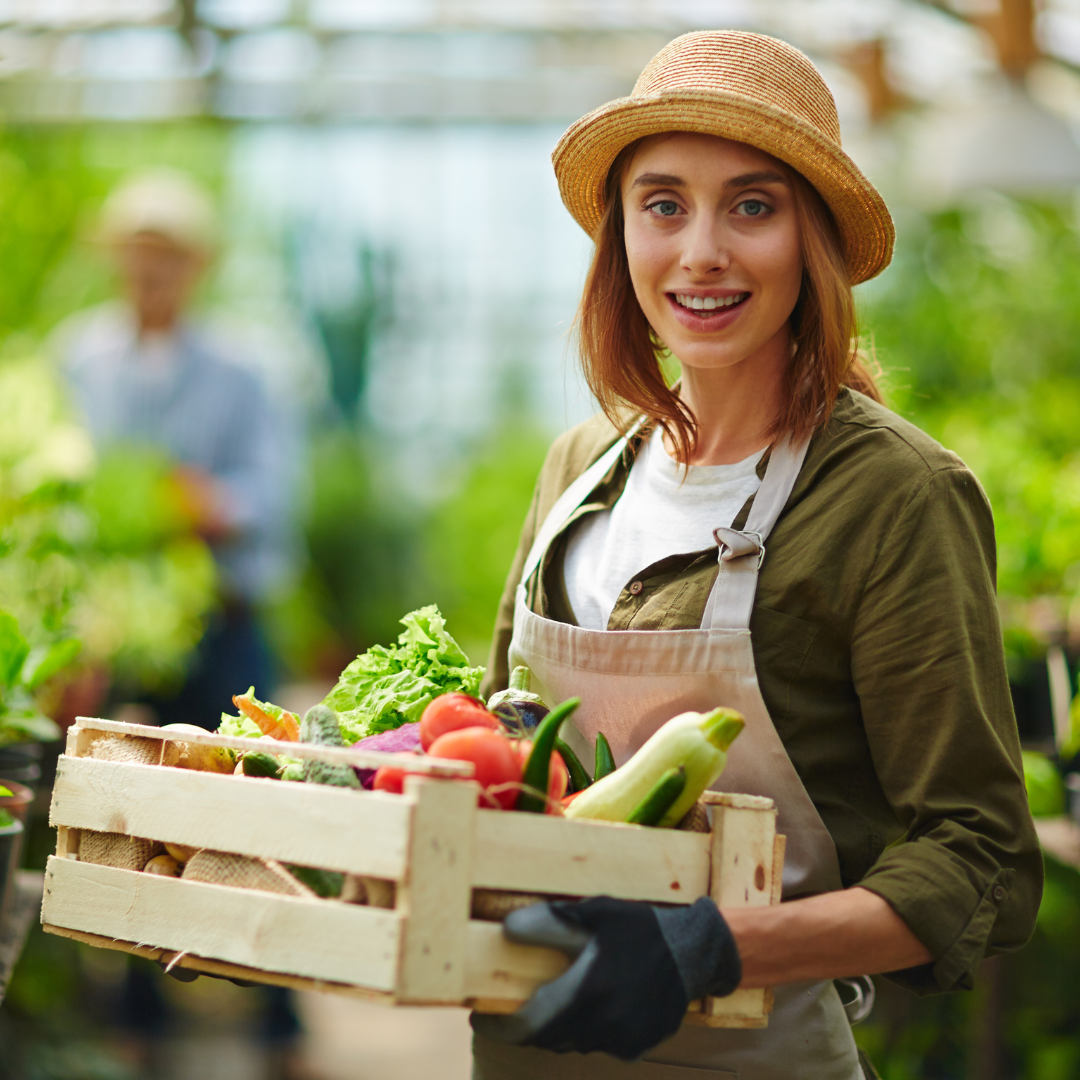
[{"x": 494, "y": 60}]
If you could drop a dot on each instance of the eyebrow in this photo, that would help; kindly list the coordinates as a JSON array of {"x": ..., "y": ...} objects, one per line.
[{"x": 766, "y": 176}]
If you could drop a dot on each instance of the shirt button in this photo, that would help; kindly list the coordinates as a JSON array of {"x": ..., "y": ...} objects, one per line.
[
  {"x": 998, "y": 893},
  {"x": 636, "y": 587}
]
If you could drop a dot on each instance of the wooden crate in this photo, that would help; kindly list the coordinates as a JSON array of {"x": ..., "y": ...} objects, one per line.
[{"x": 431, "y": 847}]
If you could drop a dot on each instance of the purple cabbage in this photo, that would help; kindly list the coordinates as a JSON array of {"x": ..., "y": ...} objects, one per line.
[{"x": 399, "y": 740}]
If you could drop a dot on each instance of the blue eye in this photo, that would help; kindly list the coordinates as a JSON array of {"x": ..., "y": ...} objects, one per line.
[
  {"x": 753, "y": 207},
  {"x": 666, "y": 207}
]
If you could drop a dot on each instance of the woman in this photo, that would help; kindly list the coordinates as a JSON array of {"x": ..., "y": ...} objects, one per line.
[{"x": 729, "y": 228}]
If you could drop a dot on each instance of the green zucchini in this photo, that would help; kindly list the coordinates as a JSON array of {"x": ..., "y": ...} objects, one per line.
[
  {"x": 605, "y": 760},
  {"x": 537, "y": 769},
  {"x": 579, "y": 778},
  {"x": 659, "y": 801}
]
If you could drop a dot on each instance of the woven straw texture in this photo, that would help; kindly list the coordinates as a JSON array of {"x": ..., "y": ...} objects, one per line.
[
  {"x": 241, "y": 872},
  {"x": 116, "y": 849},
  {"x": 746, "y": 87}
]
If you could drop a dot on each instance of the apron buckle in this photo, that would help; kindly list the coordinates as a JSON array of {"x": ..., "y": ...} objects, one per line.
[{"x": 734, "y": 544}]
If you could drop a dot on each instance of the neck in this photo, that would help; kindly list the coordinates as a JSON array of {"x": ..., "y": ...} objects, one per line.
[
  {"x": 157, "y": 323},
  {"x": 735, "y": 406}
]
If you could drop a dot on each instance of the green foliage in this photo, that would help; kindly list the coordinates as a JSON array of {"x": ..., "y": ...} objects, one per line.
[
  {"x": 1045, "y": 790},
  {"x": 978, "y": 327},
  {"x": 471, "y": 540},
  {"x": 98, "y": 550},
  {"x": 364, "y": 571}
]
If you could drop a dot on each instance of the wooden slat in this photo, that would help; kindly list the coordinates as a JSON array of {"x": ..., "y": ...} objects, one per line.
[
  {"x": 310, "y": 824},
  {"x": 364, "y": 759},
  {"x": 500, "y": 975},
  {"x": 219, "y": 967},
  {"x": 742, "y": 856},
  {"x": 743, "y": 866},
  {"x": 541, "y": 853},
  {"x": 318, "y": 939},
  {"x": 435, "y": 896}
]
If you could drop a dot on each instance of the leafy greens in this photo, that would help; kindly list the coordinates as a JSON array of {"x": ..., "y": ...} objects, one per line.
[{"x": 392, "y": 685}]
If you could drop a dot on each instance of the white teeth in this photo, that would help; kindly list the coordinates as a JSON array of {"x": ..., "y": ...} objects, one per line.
[{"x": 708, "y": 303}]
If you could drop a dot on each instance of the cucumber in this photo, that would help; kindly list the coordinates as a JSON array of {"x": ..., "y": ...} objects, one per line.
[
  {"x": 696, "y": 741},
  {"x": 579, "y": 778},
  {"x": 537, "y": 769},
  {"x": 605, "y": 760},
  {"x": 321, "y": 728},
  {"x": 656, "y": 804},
  {"x": 257, "y": 764}
]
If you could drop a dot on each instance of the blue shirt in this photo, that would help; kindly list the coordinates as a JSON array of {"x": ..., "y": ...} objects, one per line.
[{"x": 204, "y": 410}]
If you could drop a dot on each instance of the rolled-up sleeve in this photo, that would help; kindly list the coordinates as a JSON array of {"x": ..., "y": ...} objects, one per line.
[{"x": 928, "y": 667}]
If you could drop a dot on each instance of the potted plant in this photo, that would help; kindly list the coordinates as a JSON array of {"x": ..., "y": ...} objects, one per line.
[{"x": 11, "y": 833}]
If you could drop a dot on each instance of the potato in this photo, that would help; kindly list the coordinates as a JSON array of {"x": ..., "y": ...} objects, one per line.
[
  {"x": 165, "y": 865},
  {"x": 180, "y": 852},
  {"x": 182, "y": 755}
]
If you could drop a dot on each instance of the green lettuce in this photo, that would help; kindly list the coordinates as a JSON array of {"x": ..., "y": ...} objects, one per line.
[
  {"x": 392, "y": 685},
  {"x": 240, "y": 726}
]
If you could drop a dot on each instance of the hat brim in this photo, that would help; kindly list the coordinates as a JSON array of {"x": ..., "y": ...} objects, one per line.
[{"x": 584, "y": 155}]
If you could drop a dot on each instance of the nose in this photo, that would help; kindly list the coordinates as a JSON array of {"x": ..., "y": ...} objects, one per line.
[{"x": 705, "y": 250}]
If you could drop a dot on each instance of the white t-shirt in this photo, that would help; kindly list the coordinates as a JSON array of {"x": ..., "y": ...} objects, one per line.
[{"x": 658, "y": 514}]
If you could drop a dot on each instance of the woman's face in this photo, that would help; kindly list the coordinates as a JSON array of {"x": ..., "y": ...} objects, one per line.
[{"x": 713, "y": 246}]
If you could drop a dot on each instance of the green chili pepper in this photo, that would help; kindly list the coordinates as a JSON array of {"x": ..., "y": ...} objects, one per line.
[
  {"x": 538, "y": 768},
  {"x": 660, "y": 799},
  {"x": 579, "y": 778},
  {"x": 605, "y": 760}
]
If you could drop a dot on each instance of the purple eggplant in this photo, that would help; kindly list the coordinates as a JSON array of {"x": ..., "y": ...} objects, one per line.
[{"x": 518, "y": 708}]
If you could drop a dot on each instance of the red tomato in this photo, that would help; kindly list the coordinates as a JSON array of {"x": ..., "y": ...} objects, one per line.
[
  {"x": 387, "y": 778},
  {"x": 492, "y": 753},
  {"x": 451, "y": 712},
  {"x": 558, "y": 774}
]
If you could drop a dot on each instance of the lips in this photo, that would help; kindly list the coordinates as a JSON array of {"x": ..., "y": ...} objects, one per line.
[{"x": 708, "y": 314}]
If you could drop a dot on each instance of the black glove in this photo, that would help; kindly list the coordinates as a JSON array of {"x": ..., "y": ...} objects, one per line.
[{"x": 635, "y": 969}]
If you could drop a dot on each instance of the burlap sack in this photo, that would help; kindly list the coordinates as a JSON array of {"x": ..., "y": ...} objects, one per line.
[
  {"x": 696, "y": 819},
  {"x": 241, "y": 872},
  {"x": 493, "y": 905},
  {"x": 116, "y": 849},
  {"x": 128, "y": 748}
]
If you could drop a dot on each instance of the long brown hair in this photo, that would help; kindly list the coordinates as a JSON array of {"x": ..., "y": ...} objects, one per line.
[{"x": 621, "y": 356}]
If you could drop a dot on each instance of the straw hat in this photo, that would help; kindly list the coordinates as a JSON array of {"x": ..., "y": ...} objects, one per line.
[
  {"x": 161, "y": 202},
  {"x": 746, "y": 87}
]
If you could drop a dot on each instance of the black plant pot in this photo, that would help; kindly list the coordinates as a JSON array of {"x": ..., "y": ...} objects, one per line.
[
  {"x": 21, "y": 763},
  {"x": 10, "y": 849}
]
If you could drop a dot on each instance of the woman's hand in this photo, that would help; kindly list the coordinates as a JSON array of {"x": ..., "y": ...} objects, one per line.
[
  {"x": 635, "y": 969},
  {"x": 853, "y": 932}
]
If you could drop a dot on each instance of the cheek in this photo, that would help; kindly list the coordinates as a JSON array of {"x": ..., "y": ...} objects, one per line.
[
  {"x": 778, "y": 266},
  {"x": 648, "y": 258}
]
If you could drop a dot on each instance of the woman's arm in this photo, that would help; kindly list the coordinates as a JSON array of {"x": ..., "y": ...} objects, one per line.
[{"x": 853, "y": 932}]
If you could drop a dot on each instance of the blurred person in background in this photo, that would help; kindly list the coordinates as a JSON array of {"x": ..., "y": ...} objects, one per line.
[{"x": 145, "y": 372}]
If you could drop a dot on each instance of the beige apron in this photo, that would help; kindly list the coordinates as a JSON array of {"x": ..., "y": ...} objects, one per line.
[{"x": 630, "y": 682}]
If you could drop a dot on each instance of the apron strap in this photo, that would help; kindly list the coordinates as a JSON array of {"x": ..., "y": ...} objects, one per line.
[
  {"x": 570, "y": 500},
  {"x": 741, "y": 552}
]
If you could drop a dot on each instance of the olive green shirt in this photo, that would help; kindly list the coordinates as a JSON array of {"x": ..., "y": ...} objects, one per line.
[{"x": 878, "y": 650}]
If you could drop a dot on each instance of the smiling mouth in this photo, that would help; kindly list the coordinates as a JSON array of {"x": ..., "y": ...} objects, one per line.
[{"x": 702, "y": 304}]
